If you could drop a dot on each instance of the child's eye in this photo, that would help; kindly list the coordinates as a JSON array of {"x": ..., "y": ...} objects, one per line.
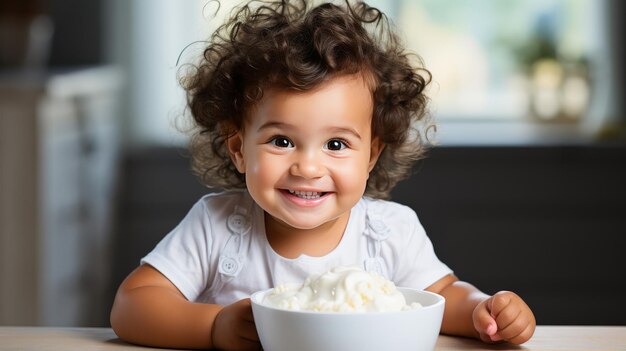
[
  {"x": 281, "y": 141},
  {"x": 336, "y": 145}
]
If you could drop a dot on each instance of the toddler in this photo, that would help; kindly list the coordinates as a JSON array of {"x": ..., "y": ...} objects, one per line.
[{"x": 306, "y": 117}]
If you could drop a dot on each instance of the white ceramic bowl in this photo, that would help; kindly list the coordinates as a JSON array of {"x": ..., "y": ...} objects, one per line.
[{"x": 415, "y": 329}]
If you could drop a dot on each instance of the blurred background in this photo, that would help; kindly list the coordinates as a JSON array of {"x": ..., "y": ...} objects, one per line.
[{"x": 524, "y": 188}]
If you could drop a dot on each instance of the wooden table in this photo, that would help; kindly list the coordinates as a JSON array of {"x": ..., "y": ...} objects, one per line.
[{"x": 103, "y": 339}]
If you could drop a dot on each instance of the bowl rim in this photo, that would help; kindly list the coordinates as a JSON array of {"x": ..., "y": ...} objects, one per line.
[{"x": 440, "y": 301}]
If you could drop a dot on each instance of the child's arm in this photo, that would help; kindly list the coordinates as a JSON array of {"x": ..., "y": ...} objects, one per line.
[
  {"x": 470, "y": 312},
  {"x": 150, "y": 310}
]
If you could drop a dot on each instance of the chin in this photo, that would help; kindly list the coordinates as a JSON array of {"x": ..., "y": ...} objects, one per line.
[{"x": 298, "y": 222}]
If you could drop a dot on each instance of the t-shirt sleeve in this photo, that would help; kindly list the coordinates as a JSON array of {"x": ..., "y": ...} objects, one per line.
[
  {"x": 418, "y": 266},
  {"x": 182, "y": 256}
]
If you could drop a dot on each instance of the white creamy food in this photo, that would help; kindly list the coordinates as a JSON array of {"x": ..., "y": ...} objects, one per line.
[{"x": 342, "y": 289}]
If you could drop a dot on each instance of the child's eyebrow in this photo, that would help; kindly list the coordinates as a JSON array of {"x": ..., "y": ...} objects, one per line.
[
  {"x": 345, "y": 130},
  {"x": 278, "y": 125},
  {"x": 281, "y": 125}
]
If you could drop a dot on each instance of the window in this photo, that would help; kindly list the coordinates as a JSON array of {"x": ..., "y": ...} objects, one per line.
[{"x": 504, "y": 59}]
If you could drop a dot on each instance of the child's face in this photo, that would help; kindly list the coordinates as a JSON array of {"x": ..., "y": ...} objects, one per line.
[{"x": 318, "y": 142}]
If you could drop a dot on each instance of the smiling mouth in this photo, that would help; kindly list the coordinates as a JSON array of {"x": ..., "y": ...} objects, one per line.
[{"x": 309, "y": 195}]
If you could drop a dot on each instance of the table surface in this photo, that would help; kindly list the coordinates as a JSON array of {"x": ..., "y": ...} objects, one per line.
[{"x": 102, "y": 339}]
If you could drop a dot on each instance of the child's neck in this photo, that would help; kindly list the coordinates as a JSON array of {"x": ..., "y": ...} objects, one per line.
[{"x": 292, "y": 242}]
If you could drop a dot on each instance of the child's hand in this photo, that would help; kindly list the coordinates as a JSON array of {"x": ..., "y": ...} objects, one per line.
[
  {"x": 504, "y": 317},
  {"x": 234, "y": 328}
]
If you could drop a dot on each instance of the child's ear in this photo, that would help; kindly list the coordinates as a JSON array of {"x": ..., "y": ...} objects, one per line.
[
  {"x": 235, "y": 150},
  {"x": 375, "y": 151}
]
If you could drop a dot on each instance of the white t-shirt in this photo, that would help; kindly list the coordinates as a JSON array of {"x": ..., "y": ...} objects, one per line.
[{"x": 219, "y": 253}]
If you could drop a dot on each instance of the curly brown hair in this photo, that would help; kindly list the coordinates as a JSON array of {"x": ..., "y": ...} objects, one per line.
[{"x": 289, "y": 45}]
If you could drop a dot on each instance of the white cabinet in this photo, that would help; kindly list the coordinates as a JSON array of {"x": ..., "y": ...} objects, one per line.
[{"x": 58, "y": 166}]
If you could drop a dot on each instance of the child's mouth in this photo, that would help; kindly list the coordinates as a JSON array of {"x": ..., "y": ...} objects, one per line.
[{"x": 309, "y": 195}]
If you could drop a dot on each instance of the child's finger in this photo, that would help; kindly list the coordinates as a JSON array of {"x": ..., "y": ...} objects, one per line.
[
  {"x": 483, "y": 321},
  {"x": 486, "y": 338},
  {"x": 245, "y": 344},
  {"x": 248, "y": 331},
  {"x": 498, "y": 302},
  {"x": 495, "y": 337},
  {"x": 509, "y": 314},
  {"x": 246, "y": 311},
  {"x": 524, "y": 336},
  {"x": 515, "y": 328}
]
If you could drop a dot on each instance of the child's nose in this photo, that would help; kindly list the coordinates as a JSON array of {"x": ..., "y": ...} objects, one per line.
[{"x": 307, "y": 165}]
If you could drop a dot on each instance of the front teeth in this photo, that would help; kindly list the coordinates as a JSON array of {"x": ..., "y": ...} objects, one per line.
[{"x": 306, "y": 194}]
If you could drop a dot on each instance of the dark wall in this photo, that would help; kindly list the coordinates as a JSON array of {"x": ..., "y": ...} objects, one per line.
[
  {"x": 157, "y": 190},
  {"x": 547, "y": 223}
]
